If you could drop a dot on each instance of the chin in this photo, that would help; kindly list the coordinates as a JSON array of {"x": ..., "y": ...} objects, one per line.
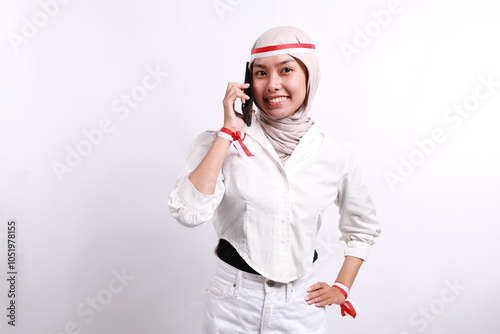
[{"x": 277, "y": 114}]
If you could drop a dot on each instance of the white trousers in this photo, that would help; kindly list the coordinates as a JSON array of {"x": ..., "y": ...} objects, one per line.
[{"x": 238, "y": 302}]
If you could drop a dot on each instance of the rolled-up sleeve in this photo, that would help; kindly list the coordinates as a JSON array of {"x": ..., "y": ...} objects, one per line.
[
  {"x": 358, "y": 223},
  {"x": 188, "y": 206}
]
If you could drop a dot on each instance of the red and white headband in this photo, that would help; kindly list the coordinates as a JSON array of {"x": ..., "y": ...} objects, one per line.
[{"x": 280, "y": 49}]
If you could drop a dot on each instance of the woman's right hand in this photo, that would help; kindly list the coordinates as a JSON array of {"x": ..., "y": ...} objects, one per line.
[
  {"x": 232, "y": 119},
  {"x": 205, "y": 176}
]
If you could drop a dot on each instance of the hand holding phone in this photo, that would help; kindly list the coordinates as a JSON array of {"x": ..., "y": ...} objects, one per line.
[{"x": 247, "y": 107}]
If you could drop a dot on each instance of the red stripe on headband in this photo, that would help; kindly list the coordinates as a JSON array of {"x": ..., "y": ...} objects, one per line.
[{"x": 284, "y": 46}]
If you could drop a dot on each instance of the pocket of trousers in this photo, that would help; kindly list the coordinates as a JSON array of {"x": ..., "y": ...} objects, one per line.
[
  {"x": 218, "y": 290},
  {"x": 300, "y": 293}
]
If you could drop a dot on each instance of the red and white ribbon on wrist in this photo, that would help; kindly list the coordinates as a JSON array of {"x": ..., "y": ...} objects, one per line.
[
  {"x": 347, "y": 307},
  {"x": 342, "y": 288},
  {"x": 237, "y": 139}
]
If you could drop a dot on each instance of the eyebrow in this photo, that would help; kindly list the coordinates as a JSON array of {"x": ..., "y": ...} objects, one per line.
[{"x": 278, "y": 64}]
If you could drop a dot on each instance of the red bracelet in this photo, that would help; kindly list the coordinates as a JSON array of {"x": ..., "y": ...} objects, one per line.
[{"x": 237, "y": 139}]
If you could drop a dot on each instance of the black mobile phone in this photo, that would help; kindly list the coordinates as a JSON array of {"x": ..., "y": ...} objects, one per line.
[{"x": 247, "y": 107}]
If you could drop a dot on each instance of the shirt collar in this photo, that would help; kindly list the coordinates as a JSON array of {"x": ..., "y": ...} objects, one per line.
[{"x": 257, "y": 133}]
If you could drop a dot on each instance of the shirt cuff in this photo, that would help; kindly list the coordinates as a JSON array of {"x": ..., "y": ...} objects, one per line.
[
  {"x": 357, "y": 249},
  {"x": 192, "y": 198}
]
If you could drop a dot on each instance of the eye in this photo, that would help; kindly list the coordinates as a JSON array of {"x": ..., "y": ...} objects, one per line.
[
  {"x": 287, "y": 70},
  {"x": 260, "y": 73}
]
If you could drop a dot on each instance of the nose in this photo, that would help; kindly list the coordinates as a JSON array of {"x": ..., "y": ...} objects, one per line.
[{"x": 273, "y": 82}]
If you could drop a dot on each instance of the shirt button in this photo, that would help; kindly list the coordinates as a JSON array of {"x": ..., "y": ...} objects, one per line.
[{"x": 270, "y": 283}]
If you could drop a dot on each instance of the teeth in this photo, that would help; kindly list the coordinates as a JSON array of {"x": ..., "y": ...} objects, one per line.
[{"x": 278, "y": 99}]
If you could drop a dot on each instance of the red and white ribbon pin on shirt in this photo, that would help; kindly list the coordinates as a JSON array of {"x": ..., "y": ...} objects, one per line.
[{"x": 237, "y": 139}]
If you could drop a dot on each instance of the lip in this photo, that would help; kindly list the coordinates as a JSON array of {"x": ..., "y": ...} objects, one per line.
[{"x": 282, "y": 99}]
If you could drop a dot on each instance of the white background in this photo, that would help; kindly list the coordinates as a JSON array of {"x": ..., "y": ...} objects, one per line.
[{"x": 78, "y": 229}]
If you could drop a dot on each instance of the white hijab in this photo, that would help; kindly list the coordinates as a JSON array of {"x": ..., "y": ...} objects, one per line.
[{"x": 285, "y": 133}]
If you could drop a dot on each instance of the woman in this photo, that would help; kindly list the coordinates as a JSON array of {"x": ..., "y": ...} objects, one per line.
[{"x": 267, "y": 199}]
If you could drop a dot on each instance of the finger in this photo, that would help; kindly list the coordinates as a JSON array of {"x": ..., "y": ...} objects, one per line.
[
  {"x": 320, "y": 300},
  {"x": 322, "y": 303},
  {"x": 233, "y": 95},
  {"x": 236, "y": 91},
  {"x": 244, "y": 98},
  {"x": 316, "y": 295},
  {"x": 318, "y": 292},
  {"x": 233, "y": 85},
  {"x": 238, "y": 94},
  {"x": 316, "y": 286},
  {"x": 332, "y": 296},
  {"x": 323, "y": 300}
]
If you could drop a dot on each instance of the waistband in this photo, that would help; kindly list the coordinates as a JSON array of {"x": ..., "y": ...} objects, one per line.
[{"x": 256, "y": 282}]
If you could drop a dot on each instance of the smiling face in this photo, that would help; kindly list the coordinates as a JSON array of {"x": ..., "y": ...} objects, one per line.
[{"x": 279, "y": 85}]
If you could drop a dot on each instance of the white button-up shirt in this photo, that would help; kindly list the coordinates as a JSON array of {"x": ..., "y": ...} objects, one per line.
[{"x": 271, "y": 213}]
